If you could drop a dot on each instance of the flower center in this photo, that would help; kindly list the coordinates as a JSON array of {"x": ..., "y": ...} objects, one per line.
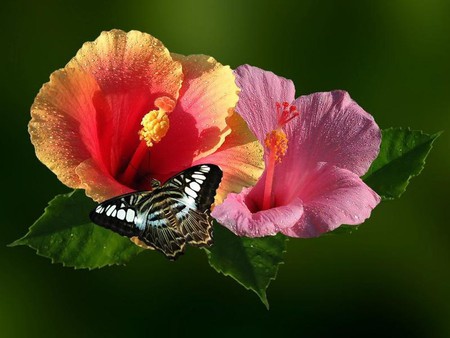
[
  {"x": 155, "y": 123},
  {"x": 276, "y": 143}
]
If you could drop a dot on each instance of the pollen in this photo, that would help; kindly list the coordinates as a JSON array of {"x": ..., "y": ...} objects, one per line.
[
  {"x": 155, "y": 123},
  {"x": 276, "y": 142}
]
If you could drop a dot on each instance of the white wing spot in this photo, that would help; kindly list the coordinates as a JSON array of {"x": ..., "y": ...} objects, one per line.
[
  {"x": 110, "y": 209},
  {"x": 114, "y": 213},
  {"x": 121, "y": 214},
  {"x": 199, "y": 177},
  {"x": 194, "y": 186},
  {"x": 205, "y": 168},
  {"x": 190, "y": 192},
  {"x": 130, "y": 215}
]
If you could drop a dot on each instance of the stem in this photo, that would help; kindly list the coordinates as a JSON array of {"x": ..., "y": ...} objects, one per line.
[
  {"x": 135, "y": 162},
  {"x": 267, "y": 198}
]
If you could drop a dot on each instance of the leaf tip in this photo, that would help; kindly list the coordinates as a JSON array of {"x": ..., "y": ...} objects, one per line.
[
  {"x": 437, "y": 134},
  {"x": 263, "y": 297},
  {"x": 17, "y": 242}
]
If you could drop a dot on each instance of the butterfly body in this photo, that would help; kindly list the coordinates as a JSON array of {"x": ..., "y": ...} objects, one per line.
[{"x": 170, "y": 215}]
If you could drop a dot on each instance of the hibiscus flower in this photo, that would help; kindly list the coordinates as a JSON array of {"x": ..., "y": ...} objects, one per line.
[
  {"x": 316, "y": 148},
  {"x": 125, "y": 111}
]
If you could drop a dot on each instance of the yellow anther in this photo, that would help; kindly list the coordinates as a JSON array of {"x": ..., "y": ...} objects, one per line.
[
  {"x": 155, "y": 123},
  {"x": 276, "y": 142}
]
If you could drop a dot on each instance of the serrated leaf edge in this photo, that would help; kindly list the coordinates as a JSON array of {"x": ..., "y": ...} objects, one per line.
[
  {"x": 433, "y": 138},
  {"x": 19, "y": 242},
  {"x": 263, "y": 296}
]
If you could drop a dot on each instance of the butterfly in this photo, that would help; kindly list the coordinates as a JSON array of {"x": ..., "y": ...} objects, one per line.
[{"x": 168, "y": 216}]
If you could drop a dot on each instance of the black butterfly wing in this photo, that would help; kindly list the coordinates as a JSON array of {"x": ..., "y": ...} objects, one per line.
[
  {"x": 199, "y": 184},
  {"x": 140, "y": 216},
  {"x": 191, "y": 209},
  {"x": 120, "y": 213},
  {"x": 197, "y": 228},
  {"x": 161, "y": 231}
]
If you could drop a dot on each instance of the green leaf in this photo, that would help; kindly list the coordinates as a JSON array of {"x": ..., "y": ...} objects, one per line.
[
  {"x": 402, "y": 156},
  {"x": 343, "y": 230},
  {"x": 65, "y": 234},
  {"x": 252, "y": 262}
]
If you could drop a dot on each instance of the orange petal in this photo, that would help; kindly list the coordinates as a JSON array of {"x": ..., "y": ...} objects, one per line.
[
  {"x": 98, "y": 185},
  {"x": 198, "y": 123},
  {"x": 92, "y": 108},
  {"x": 240, "y": 157},
  {"x": 61, "y": 115}
]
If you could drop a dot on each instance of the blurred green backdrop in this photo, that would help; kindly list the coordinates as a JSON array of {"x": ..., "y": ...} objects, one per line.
[{"x": 389, "y": 279}]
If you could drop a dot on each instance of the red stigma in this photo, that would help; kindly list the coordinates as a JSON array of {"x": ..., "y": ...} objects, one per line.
[{"x": 285, "y": 113}]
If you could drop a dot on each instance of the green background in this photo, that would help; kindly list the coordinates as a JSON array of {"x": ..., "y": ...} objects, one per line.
[{"x": 389, "y": 279}]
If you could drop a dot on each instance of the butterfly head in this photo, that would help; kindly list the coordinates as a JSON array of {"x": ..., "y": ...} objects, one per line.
[{"x": 155, "y": 183}]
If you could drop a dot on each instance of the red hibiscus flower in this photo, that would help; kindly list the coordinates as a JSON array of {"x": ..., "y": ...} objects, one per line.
[{"x": 124, "y": 110}]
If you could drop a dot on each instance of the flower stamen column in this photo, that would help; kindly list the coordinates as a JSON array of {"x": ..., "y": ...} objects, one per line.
[{"x": 276, "y": 144}]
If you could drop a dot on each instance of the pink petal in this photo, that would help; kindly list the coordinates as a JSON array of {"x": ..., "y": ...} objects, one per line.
[
  {"x": 260, "y": 90},
  {"x": 333, "y": 128},
  {"x": 234, "y": 213},
  {"x": 331, "y": 197}
]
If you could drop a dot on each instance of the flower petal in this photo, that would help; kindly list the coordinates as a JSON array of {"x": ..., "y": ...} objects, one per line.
[
  {"x": 93, "y": 107},
  {"x": 98, "y": 185},
  {"x": 60, "y": 113},
  {"x": 239, "y": 157},
  {"x": 235, "y": 214},
  {"x": 331, "y": 197},
  {"x": 260, "y": 90},
  {"x": 198, "y": 123},
  {"x": 333, "y": 128}
]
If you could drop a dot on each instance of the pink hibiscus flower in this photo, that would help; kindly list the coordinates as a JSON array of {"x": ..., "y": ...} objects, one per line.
[
  {"x": 316, "y": 149},
  {"x": 124, "y": 110}
]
